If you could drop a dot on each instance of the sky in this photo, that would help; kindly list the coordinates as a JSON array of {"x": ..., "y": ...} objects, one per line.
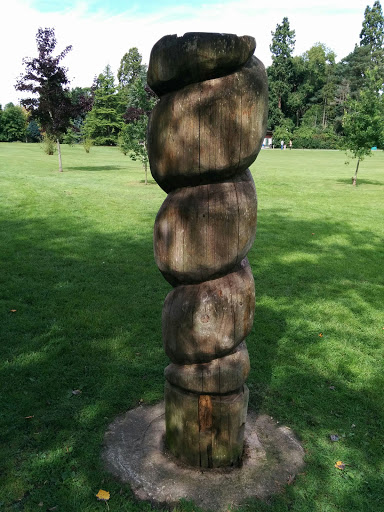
[{"x": 102, "y": 31}]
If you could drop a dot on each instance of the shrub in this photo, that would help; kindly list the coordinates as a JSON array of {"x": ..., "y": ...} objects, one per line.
[
  {"x": 316, "y": 138},
  {"x": 87, "y": 144},
  {"x": 49, "y": 144}
]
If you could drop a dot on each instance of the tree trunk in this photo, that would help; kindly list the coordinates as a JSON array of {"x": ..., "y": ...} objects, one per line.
[
  {"x": 354, "y": 179},
  {"x": 324, "y": 116},
  {"x": 146, "y": 173},
  {"x": 59, "y": 153}
]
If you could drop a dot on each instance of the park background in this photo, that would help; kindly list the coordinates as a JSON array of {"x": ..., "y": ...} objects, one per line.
[{"x": 81, "y": 297}]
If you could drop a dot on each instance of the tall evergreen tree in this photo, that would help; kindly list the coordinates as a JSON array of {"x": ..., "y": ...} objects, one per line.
[
  {"x": 372, "y": 37},
  {"x": 280, "y": 72},
  {"x": 130, "y": 68},
  {"x": 104, "y": 122},
  {"x": 372, "y": 32}
]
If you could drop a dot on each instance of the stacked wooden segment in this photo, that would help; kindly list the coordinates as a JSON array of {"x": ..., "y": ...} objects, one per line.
[{"x": 202, "y": 136}]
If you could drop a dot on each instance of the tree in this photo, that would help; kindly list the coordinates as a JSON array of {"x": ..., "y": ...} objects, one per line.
[
  {"x": 1, "y": 123},
  {"x": 321, "y": 85},
  {"x": 103, "y": 123},
  {"x": 33, "y": 132},
  {"x": 280, "y": 71},
  {"x": 372, "y": 33},
  {"x": 47, "y": 80},
  {"x": 133, "y": 136},
  {"x": 129, "y": 71},
  {"x": 130, "y": 68},
  {"x": 82, "y": 99},
  {"x": 13, "y": 123},
  {"x": 363, "y": 120}
]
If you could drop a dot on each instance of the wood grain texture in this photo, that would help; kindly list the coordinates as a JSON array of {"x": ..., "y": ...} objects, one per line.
[
  {"x": 203, "y": 134},
  {"x": 203, "y": 232},
  {"x": 210, "y": 130},
  {"x": 223, "y": 375},
  {"x": 208, "y": 320},
  {"x": 205, "y": 431},
  {"x": 194, "y": 57}
]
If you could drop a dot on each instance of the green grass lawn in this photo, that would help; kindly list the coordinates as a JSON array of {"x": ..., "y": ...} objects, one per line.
[{"x": 77, "y": 267}]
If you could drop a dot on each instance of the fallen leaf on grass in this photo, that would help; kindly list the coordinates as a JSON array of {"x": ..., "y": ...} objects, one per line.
[
  {"x": 291, "y": 479},
  {"x": 14, "y": 311},
  {"x": 103, "y": 495},
  {"x": 28, "y": 417},
  {"x": 321, "y": 335},
  {"x": 76, "y": 391},
  {"x": 340, "y": 465}
]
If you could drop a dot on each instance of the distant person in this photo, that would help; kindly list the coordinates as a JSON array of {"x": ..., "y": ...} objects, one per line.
[
  {"x": 282, "y": 144},
  {"x": 290, "y": 144}
]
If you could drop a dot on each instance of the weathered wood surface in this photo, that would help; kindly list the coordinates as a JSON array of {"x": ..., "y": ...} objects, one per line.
[
  {"x": 208, "y": 320},
  {"x": 202, "y": 136},
  {"x": 209, "y": 130},
  {"x": 205, "y": 430},
  {"x": 203, "y": 232},
  {"x": 223, "y": 375},
  {"x": 194, "y": 57}
]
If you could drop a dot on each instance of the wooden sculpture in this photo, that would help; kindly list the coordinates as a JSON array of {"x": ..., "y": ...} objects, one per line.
[{"x": 204, "y": 133}]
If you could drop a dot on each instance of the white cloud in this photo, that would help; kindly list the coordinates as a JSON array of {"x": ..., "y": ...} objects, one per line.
[{"x": 99, "y": 39}]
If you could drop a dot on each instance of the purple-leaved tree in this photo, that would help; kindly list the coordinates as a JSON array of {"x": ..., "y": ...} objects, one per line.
[{"x": 51, "y": 103}]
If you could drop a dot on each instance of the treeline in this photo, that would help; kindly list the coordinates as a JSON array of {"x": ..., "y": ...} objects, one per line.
[
  {"x": 311, "y": 96},
  {"x": 313, "y": 101},
  {"x": 99, "y": 113}
]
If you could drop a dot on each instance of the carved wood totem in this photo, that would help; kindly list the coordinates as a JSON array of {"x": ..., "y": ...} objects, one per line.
[{"x": 204, "y": 133}]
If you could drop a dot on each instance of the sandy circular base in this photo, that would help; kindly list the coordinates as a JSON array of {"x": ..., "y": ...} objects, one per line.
[{"x": 134, "y": 452}]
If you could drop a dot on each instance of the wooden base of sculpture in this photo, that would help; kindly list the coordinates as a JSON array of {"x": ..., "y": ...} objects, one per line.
[
  {"x": 133, "y": 451},
  {"x": 205, "y": 430}
]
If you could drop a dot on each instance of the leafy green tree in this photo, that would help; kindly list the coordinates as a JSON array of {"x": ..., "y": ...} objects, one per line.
[
  {"x": 320, "y": 83},
  {"x": 104, "y": 122},
  {"x": 133, "y": 136},
  {"x": 280, "y": 72},
  {"x": 13, "y": 123},
  {"x": 1, "y": 123},
  {"x": 51, "y": 104},
  {"x": 363, "y": 120},
  {"x": 283, "y": 132}
]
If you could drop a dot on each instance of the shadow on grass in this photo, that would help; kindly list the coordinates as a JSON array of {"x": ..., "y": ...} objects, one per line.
[
  {"x": 360, "y": 182},
  {"x": 88, "y": 312},
  {"x": 95, "y": 168},
  {"x": 149, "y": 182}
]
